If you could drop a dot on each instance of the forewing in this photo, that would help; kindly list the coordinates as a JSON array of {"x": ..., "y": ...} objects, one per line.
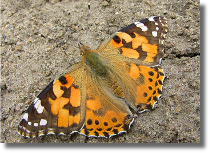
[
  {"x": 141, "y": 42},
  {"x": 59, "y": 108},
  {"x": 133, "y": 55}
]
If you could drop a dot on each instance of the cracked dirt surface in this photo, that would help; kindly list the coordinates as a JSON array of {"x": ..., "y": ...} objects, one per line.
[{"x": 39, "y": 40}]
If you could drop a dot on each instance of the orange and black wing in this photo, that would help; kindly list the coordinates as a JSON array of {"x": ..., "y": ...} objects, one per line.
[
  {"x": 59, "y": 108},
  {"x": 134, "y": 55}
]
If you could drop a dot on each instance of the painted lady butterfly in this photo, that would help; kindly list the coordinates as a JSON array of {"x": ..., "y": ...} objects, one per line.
[{"x": 99, "y": 95}]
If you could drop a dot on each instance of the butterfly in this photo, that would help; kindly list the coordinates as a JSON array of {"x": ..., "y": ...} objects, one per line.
[{"x": 99, "y": 96}]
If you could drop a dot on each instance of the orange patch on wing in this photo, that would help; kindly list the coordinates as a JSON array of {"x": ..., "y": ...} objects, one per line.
[
  {"x": 77, "y": 118},
  {"x": 108, "y": 123},
  {"x": 71, "y": 120},
  {"x": 149, "y": 48},
  {"x": 113, "y": 114},
  {"x": 138, "y": 40},
  {"x": 150, "y": 90},
  {"x": 125, "y": 36},
  {"x": 57, "y": 86},
  {"x": 91, "y": 116},
  {"x": 115, "y": 44},
  {"x": 63, "y": 118},
  {"x": 131, "y": 53},
  {"x": 74, "y": 119},
  {"x": 151, "y": 51},
  {"x": 121, "y": 35},
  {"x": 93, "y": 104},
  {"x": 149, "y": 57},
  {"x": 69, "y": 81},
  {"x": 134, "y": 71},
  {"x": 141, "y": 99},
  {"x": 57, "y": 105},
  {"x": 75, "y": 97}
]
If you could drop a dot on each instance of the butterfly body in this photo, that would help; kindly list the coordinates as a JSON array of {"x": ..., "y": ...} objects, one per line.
[
  {"x": 100, "y": 95},
  {"x": 96, "y": 64}
]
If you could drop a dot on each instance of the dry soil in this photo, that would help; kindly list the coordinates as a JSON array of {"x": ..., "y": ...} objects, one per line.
[{"x": 39, "y": 40}]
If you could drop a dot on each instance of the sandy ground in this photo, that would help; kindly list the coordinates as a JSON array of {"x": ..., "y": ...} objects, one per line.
[{"x": 39, "y": 40}]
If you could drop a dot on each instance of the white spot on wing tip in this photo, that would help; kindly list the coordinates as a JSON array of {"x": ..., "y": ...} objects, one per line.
[
  {"x": 151, "y": 18},
  {"x": 36, "y": 124},
  {"x": 43, "y": 122},
  {"x": 25, "y": 116},
  {"x": 38, "y": 106},
  {"x": 144, "y": 28},
  {"x": 154, "y": 33},
  {"x": 141, "y": 25},
  {"x": 40, "y": 109}
]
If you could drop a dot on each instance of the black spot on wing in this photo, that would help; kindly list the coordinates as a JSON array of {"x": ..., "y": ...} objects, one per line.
[
  {"x": 72, "y": 110},
  {"x": 63, "y": 80},
  {"x": 67, "y": 92},
  {"x": 117, "y": 39}
]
